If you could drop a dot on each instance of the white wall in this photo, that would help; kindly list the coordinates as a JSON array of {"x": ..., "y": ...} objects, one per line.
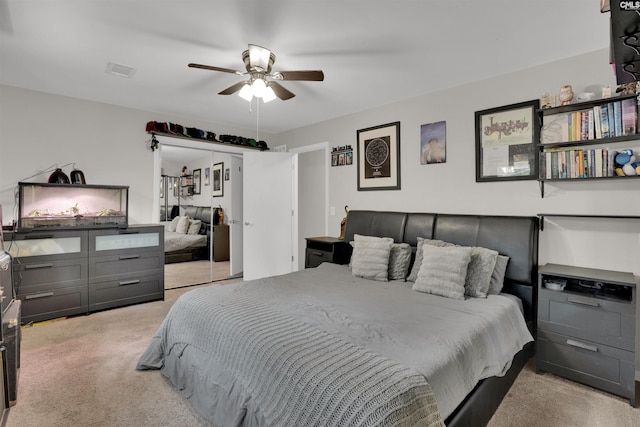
[
  {"x": 451, "y": 187},
  {"x": 108, "y": 143}
]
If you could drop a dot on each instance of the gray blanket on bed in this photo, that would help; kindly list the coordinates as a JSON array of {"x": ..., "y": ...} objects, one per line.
[{"x": 298, "y": 375}]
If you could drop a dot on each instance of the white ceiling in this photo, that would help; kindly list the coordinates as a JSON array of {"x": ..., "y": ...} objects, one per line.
[{"x": 373, "y": 52}]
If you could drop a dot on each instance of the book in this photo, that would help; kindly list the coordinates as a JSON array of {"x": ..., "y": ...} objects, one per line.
[
  {"x": 596, "y": 122},
  {"x": 629, "y": 116},
  {"x": 617, "y": 118},
  {"x": 604, "y": 120},
  {"x": 597, "y": 153},
  {"x": 554, "y": 129}
]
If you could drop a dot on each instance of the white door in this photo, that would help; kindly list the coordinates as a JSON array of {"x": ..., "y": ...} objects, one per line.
[
  {"x": 235, "y": 217},
  {"x": 267, "y": 214}
]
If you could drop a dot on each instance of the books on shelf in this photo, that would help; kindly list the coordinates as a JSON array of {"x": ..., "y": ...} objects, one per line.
[
  {"x": 576, "y": 162},
  {"x": 607, "y": 120}
]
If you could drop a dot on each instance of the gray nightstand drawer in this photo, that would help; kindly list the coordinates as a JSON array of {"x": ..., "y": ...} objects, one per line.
[
  {"x": 594, "y": 319},
  {"x": 588, "y": 362}
]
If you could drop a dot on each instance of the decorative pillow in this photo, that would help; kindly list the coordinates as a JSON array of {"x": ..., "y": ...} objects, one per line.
[
  {"x": 419, "y": 250},
  {"x": 480, "y": 268},
  {"x": 173, "y": 224},
  {"x": 183, "y": 225},
  {"x": 370, "y": 258},
  {"x": 497, "y": 277},
  {"x": 399, "y": 261},
  {"x": 443, "y": 271},
  {"x": 194, "y": 226}
]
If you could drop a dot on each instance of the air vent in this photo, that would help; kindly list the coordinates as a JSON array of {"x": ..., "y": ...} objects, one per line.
[{"x": 120, "y": 70}]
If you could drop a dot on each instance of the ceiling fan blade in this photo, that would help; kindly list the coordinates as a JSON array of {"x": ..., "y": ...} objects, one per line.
[
  {"x": 212, "y": 68},
  {"x": 232, "y": 89},
  {"x": 307, "y": 75},
  {"x": 280, "y": 91}
]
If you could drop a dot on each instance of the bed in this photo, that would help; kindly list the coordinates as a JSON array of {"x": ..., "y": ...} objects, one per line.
[
  {"x": 326, "y": 346},
  {"x": 193, "y": 245}
]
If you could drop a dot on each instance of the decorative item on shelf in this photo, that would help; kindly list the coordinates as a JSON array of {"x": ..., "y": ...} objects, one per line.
[
  {"x": 585, "y": 96},
  {"x": 547, "y": 101},
  {"x": 626, "y": 164},
  {"x": 606, "y": 91},
  {"x": 343, "y": 223},
  {"x": 566, "y": 95},
  {"x": 154, "y": 143},
  {"x": 185, "y": 171},
  {"x": 77, "y": 176},
  {"x": 628, "y": 88},
  {"x": 59, "y": 177},
  {"x": 341, "y": 156}
]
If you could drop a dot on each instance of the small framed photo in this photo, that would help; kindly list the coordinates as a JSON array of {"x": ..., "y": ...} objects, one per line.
[
  {"x": 218, "y": 182},
  {"x": 206, "y": 176},
  {"x": 379, "y": 157},
  {"x": 196, "y": 181},
  {"x": 506, "y": 139},
  {"x": 433, "y": 143},
  {"x": 226, "y": 174}
]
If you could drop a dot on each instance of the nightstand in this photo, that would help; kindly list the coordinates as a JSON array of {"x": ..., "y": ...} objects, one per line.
[
  {"x": 326, "y": 249},
  {"x": 586, "y": 327}
]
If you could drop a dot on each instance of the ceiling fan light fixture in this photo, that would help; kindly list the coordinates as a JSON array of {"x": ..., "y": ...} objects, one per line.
[
  {"x": 258, "y": 87},
  {"x": 245, "y": 92},
  {"x": 269, "y": 95}
]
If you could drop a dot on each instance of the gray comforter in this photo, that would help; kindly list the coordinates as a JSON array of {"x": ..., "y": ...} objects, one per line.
[{"x": 321, "y": 347}]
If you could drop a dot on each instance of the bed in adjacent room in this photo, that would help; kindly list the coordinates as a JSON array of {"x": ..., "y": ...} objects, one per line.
[
  {"x": 187, "y": 236},
  {"x": 359, "y": 344}
]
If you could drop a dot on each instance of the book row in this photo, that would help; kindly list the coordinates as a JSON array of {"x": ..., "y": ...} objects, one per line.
[
  {"x": 579, "y": 163},
  {"x": 613, "y": 119}
]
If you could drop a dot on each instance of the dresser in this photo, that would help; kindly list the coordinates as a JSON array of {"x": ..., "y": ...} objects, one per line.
[
  {"x": 69, "y": 272},
  {"x": 587, "y": 327}
]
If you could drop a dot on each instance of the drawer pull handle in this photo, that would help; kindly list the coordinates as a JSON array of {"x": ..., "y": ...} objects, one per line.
[
  {"x": 129, "y": 232},
  {"x": 129, "y": 257},
  {"x": 38, "y": 236},
  {"x": 584, "y": 302},
  {"x": 318, "y": 253},
  {"x": 35, "y": 266},
  {"x": 42, "y": 295},
  {"x": 582, "y": 345},
  {"x": 129, "y": 282}
]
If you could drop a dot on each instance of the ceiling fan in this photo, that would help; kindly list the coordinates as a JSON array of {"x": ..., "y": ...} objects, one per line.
[{"x": 258, "y": 62}]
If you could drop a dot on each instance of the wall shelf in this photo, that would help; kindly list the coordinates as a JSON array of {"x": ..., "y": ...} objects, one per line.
[{"x": 541, "y": 217}]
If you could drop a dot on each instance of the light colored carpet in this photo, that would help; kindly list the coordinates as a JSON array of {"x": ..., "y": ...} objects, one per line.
[
  {"x": 81, "y": 372},
  {"x": 180, "y": 274}
]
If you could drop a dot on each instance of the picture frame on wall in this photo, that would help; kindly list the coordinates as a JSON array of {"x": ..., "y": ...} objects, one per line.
[
  {"x": 217, "y": 180},
  {"x": 196, "y": 181},
  {"x": 206, "y": 176},
  {"x": 378, "y": 157},
  {"x": 433, "y": 143},
  {"x": 506, "y": 142}
]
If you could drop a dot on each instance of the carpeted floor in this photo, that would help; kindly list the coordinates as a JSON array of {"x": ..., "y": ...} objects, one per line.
[{"x": 81, "y": 372}]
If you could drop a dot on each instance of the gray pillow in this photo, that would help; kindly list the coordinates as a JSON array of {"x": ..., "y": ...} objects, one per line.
[
  {"x": 480, "y": 268},
  {"x": 194, "y": 226},
  {"x": 497, "y": 277},
  {"x": 183, "y": 225},
  {"x": 443, "y": 271},
  {"x": 370, "y": 258},
  {"x": 399, "y": 261}
]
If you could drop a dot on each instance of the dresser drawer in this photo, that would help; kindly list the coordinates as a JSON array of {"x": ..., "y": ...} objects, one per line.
[
  {"x": 38, "y": 306},
  {"x": 125, "y": 266},
  {"x": 117, "y": 293},
  {"x": 41, "y": 246},
  {"x": 129, "y": 241},
  {"x": 588, "y": 362},
  {"x": 594, "y": 319},
  {"x": 30, "y": 277},
  {"x": 315, "y": 257}
]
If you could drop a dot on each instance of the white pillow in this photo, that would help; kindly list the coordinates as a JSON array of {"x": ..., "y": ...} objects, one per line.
[
  {"x": 497, "y": 277},
  {"x": 370, "y": 258},
  {"x": 194, "y": 226},
  {"x": 443, "y": 271},
  {"x": 399, "y": 261},
  {"x": 183, "y": 225},
  {"x": 173, "y": 224}
]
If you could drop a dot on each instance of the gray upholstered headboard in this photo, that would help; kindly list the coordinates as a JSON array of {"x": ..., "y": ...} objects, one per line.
[
  {"x": 202, "y": 213},
  {"x": 513, "y": 236}
]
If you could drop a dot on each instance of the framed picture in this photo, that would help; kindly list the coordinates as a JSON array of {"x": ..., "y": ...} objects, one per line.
[
  {"x": 196, "y": 181},
  {"x": 433, "y": 143},
  {"x": 227, "y": 176},
  {"x": 218, "y": 182},
  {"x": 206, "y": 176},
  {"x": 379, "y": 157},
  {"x": 506, "y": 139}
]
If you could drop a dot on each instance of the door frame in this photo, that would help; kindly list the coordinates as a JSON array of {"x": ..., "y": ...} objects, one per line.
[{"x": 321, "y": 146}]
